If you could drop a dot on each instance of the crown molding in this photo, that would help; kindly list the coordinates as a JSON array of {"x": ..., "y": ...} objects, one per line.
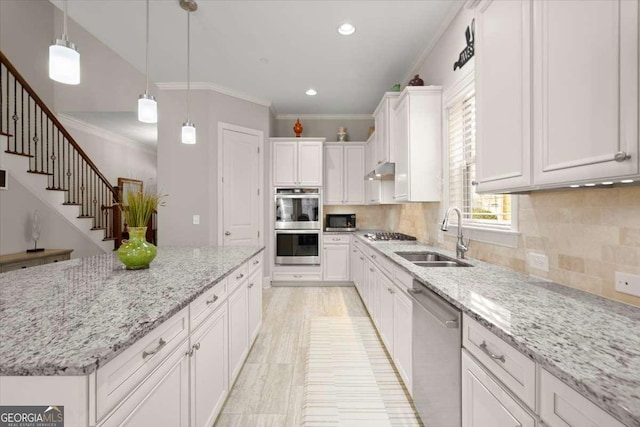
[
  {"x": 75, "y": 123},
  {"x": 214, "y": 88},
  {"x": 324, "y": 116},
  {"x": 448, "y": 19}
]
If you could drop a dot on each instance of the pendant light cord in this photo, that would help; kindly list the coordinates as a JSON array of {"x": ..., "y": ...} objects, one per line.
[
  {"x": 146, "y": 67},
  {"x": 64, "y": 19},
  {"x": 188, "y": 59}
]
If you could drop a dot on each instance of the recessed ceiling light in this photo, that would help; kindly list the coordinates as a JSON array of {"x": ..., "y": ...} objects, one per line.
[
  {"x": 574, "y": 186},
  {"x": 346, "y": 29},
  {"x": 626, "y": 181},
  {"x": 590, "y": 185},
  {"x": 311, "y": 92},
  {"x": 607, "y": 183}
]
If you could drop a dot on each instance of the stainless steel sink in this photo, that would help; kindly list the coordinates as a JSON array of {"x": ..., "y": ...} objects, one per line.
[{"x": 431, "y": 259}]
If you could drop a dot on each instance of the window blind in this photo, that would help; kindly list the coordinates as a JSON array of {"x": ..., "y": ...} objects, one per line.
[{"x": 477, "y": 209}]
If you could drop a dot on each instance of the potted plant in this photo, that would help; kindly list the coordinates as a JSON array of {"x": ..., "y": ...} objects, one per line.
[{"x": 136, "y": 253}]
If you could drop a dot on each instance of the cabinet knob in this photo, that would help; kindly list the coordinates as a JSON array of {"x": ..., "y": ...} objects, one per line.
[
  {"x": 227, "y": 233},
  {"x": 239, "y": 276},
  {"x": 250, "y": 285},
  {"x": 211, "y": 301},
  {"x": 474, "y": 182},
  {"x": 297, "y": 276},
  {"x": 621, "y": 156}
]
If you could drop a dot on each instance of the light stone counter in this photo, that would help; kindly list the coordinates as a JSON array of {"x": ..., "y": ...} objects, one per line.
[
  {"x": 591, "y": 343},
  {"x": 71, "y": 317}
]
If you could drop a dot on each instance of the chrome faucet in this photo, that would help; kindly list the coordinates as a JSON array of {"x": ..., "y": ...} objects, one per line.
[{"x": 461, "y": 245}]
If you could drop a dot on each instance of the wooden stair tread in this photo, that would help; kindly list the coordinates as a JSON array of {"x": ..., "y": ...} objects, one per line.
[
  {"x": 17, "y": 153},
  {"x": 86, "y": 216},
  {"x": 98, "y": 228},
  {"x": 106, "y": 239},
  {"x": 6, "y": 134},
  {"x": 56, "y": 189},
  {"x": 72, "y": 204},
  {"x": 40, "y": 173}
]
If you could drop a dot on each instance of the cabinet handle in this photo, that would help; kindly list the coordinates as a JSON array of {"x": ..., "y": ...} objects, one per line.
[
  {"x": 250, "y": 285},
  {"x": 239, "y": 276},
  {"x": 227, "y": 233},
  {"x": 161, "y": 344},
  {"x": 212, "y": 300},
  {"x": 354, "y": 251},
  {"x": 474, "y": 182},
  {"x": 335, "y": 239},
  {"x": 371, "y": 269},
  {"x": 298, "y": 276},
  {"x": 391, "y": 291},
  {"x": 621, "y": 156},
  {"x": 484, "y": 348},
  {"x": 361, "y": 259},
  {"x": 373, "y": 256},
  {"x": 256, "y": 262},
  {"x": 196, "y": 346}
]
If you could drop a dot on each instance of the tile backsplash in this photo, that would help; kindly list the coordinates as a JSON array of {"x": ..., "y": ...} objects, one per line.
[{"x": 588, "y": 234}]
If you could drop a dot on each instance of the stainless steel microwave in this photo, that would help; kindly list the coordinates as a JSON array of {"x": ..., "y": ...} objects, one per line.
[
  {"x": 340, "y": 222},
  {"x": 297, "y": 209}
]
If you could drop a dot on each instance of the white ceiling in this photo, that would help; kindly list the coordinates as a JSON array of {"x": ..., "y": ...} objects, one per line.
[{"x": 275, "y": 50}]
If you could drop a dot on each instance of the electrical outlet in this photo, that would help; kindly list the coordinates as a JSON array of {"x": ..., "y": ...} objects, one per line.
[
  {"x": 539, "y": 261},
  {"x": 196, "y": 219},
  {"x": 628, "y": 283}
]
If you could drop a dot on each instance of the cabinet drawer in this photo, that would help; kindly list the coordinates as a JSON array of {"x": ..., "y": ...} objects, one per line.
[
  {"x": 119, "y": 377},
  {"x": 513, "y": 368},
  {"x": 237, "y": 276},
  {"x": 385, "y": 264},
  {"x": 255, "y": 262},
  {"x": 56, "y": 258},
  {"x": 21, "y": 264},
  {"x": 296, "y": 277},
  {"x": 206, "y": 303},
  {"x": 561, "y": 406},
  {"x": 336, "y": 239},
  {"x": 403, "y": 278}
]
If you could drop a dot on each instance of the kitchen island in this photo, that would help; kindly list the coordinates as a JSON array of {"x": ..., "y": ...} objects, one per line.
[{"x": 62, "y": 325}]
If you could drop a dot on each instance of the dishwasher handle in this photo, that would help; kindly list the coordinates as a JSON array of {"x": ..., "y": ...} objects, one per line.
[{"x": 444, "y": 313}]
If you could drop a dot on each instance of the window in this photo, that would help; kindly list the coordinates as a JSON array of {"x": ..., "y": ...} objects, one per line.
[{"x": 483, "y": 211}]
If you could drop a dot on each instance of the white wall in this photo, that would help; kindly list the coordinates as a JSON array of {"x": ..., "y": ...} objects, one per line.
[
  {"x": 188, "y": 173},
  {"x": 17, "y": 205}
]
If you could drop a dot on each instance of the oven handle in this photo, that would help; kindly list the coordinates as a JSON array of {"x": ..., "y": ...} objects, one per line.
[{"x": 297, "y": 231}]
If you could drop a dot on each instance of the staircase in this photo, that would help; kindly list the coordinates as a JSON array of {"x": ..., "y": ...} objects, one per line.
[{"x": 45, "y": 158}]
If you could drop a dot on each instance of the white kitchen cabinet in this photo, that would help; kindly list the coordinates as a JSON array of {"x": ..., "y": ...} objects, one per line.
[
  {"x": 386, "y": 291},
  {"x": 238, "y": 330},
  {"x": 297, "y": 162},
  {"x": 377, "y": 192},
  {"x": 416, "y": 139},
  {"x": 561, "y": 406},
  {"x": 355, "y": 267},
  {"x": 209, "y": 370},
  {"x": 344, "y": 174},
  {"x": 336, "y": 258},
  {"x": 382, "y": 119},
  {"x": 585, "y": 68},
  {"x": 254, "y": 288},
  {"x": 402, "y": 330},
  {"x": 503, "y": 95},
  {"x": 485, "y": 402},
  {"x": 161, "y": 399}
]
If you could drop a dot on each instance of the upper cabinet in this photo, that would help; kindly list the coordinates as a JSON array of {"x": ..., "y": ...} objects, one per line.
[
  {"x": 557, "y": 96},
  {"x": 416, "y": 138},
  {"x": 297, "y": 162},
  {"x": 382, "y": 118},
  {"x": 585, "y": 91},
  {"x": 344, "y": 173},
  {"x": 377, "y": 192},
  {"x": 503, "y": 95}
]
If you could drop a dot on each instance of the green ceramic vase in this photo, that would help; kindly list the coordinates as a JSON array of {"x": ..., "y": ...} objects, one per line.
[{"x": 136, "y": 253}]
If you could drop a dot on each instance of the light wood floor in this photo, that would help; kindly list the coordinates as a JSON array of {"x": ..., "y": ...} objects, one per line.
[{"x": 270, "y": 388}]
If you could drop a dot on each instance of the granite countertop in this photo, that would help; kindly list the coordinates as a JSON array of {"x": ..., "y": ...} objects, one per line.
[
  {"x": 71, "y": 317},
  {"x": 591, "y": 343}
]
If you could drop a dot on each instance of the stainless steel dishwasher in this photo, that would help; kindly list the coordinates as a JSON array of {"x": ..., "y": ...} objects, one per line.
[{"x": 436, "y": 344}]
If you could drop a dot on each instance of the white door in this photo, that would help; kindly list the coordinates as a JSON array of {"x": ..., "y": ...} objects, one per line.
[
  {"x": 334, "y": 175},
  {"x": 238, "y": 330},
  {"x": 241, "y": 183},
  {"x": 354, "y": 175},
  {"x": 586, "y": 90},
  {"x": 336, "y": 262},
  {"x": 310, "y": 163},
  {"x": 209, "y": 383},
  {"x": 486, "y": 403},
  {"x": 285, "y": 163},
  {"x": 254, "y": 284}
]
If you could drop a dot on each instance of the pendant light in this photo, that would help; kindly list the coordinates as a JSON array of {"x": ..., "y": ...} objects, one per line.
[
  {"x": 147, "y": 105},
  {"x": 188, "y": 128},
  {"x": 64, "y": 59}
]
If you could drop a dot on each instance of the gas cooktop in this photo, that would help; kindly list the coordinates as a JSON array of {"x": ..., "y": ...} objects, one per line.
[{"x": 384, "y": 236}]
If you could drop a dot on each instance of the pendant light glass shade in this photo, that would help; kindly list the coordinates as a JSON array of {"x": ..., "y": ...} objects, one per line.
[
  {"x": 188, "y": 133},
  {"x": 147, "y": 109},
  {"x": 64, "y": 59}
]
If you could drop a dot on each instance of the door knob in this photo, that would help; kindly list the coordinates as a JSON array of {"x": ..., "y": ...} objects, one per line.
[{"x": 227, "y": 233}]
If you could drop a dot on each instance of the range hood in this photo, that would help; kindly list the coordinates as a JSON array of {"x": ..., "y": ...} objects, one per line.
[{"x": 382, "y": 172}]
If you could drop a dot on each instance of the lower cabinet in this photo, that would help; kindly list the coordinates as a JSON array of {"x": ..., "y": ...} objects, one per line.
[
  {"x": 336, "y": 258},
  {"x": 402, "y": 330},
  {"x": 238, "y": 330},
  {"x": 254, "y": 287},
  {"x": 385, "y": 322},
  {"x": 162, "y": 399},
  {"x": 484, "y": 401},
  {"x": 209, "y": 370}
]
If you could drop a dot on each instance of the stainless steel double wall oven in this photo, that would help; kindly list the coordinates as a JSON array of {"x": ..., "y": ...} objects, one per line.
[{"x": 297, "y": 226}]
